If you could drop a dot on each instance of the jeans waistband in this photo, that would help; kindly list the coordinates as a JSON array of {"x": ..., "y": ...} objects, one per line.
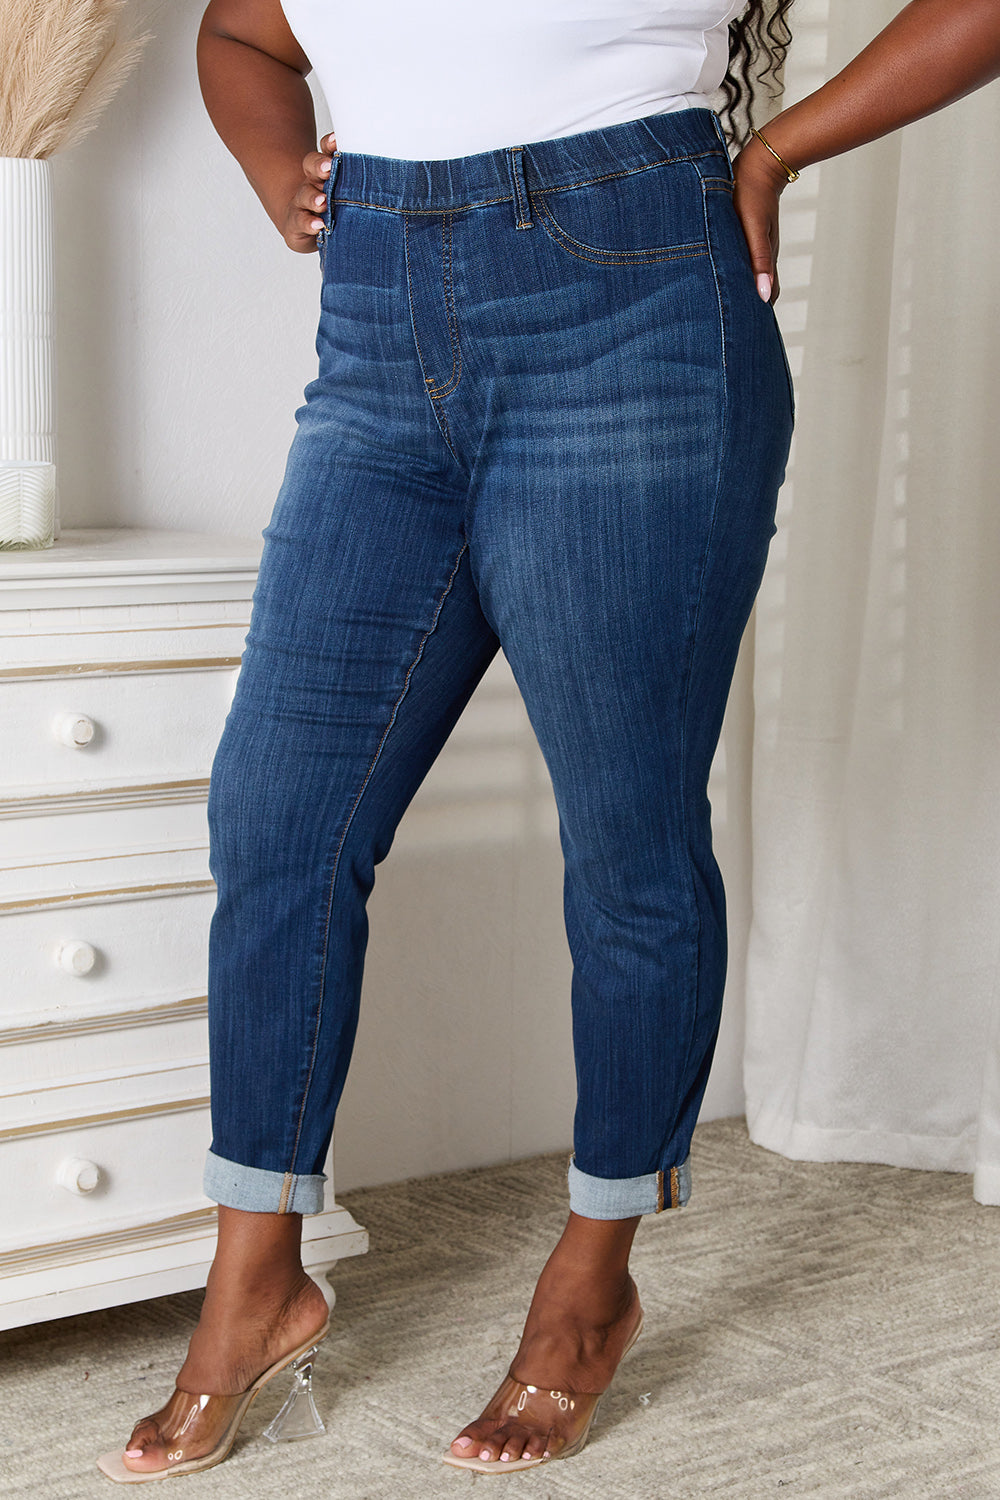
[{"x": 461, "y": 182}]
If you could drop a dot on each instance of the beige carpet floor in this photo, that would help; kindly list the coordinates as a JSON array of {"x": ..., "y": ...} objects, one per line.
[{"x": 810, "y": 1329}]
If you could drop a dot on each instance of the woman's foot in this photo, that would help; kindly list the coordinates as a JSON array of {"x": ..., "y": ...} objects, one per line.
[
  {"x": 259, "y": 1305},
  {"x": 582, "y": 1317}
]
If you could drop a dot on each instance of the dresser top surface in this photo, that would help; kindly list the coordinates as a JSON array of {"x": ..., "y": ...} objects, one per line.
[{"x": 130, "y": 551}]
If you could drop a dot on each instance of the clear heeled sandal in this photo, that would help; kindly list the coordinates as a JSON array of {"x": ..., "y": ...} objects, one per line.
[
  {"x": 565, "y": 1416},
  {"x": 212, "y": 1422}
]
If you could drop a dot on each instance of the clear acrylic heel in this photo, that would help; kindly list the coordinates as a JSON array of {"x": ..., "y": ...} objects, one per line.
[{"x": 298, "y": 1417}]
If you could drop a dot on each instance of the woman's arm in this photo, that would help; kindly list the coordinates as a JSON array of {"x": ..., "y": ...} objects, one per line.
[
  {"x": 933, "y": 53},
  {"x": 253, "y": 80}
]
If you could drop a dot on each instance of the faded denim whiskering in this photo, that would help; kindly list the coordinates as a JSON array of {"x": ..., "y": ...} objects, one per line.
[{"x": 551, "y": 414}]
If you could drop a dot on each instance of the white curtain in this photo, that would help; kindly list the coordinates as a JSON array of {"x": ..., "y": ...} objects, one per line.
[{"x": 871, "y": 968}]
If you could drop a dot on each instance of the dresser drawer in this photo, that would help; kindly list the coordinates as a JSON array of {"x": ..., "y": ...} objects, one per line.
[
  {"x": 64, "y": 959},
  {"x": 92, "y": 728},
  {"x": 101, "y": 1172},
  {"x": 95, "y": 1056},
  {"x": 119, "y": 652}
]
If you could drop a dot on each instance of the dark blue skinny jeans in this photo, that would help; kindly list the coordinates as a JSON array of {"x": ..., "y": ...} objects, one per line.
[{"x": 551, "y": 416}]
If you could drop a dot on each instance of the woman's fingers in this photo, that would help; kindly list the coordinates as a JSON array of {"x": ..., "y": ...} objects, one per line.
[
  {"x": 758, "y": 215},
  {"x": 756, "y": 201},
  {"x": 316, "y": 167},
  {"x": 304, "y": 218},
  {"x": 310, "y": 197},
  {"x": 316, "y": 164}
]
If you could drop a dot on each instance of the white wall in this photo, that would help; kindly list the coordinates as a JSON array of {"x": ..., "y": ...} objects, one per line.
[
  {"x": 185, "y": 326},
  {"x": 185, "y": 337}
]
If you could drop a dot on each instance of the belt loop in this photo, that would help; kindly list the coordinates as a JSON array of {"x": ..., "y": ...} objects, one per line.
[
  {"x": 522, "y": 203},
  {"x": 334, "y": 168}
]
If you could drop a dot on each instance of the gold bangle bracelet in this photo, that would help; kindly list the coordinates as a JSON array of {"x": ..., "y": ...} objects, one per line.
[{"x": 790, "y": 172}]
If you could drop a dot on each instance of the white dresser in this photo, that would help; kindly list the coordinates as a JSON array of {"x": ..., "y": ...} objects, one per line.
[{"x": 118, "y": 654}]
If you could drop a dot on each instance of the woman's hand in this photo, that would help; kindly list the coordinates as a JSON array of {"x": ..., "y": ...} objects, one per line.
[
  {"x": 304, "y": 214},
  {"x": 934, "y": 52},
  {"x": 759, "y": 183}
]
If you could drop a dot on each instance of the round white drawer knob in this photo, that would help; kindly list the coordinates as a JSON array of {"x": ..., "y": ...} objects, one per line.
[
  {"x": 76, "y": 958},
  {"x": 77, "y": 1175},
  {"x": 74, "y": 730}
]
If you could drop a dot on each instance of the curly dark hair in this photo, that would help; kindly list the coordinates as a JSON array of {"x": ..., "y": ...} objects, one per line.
[{"x": 758, "y": 42}]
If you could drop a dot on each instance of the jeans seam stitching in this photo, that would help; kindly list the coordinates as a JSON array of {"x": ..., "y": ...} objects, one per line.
[
  {"x": 615, "y": 257},
  {"x": 522, "y": 209},
  {"x": 409, "y": 291},
  {"x": 647, "y": 166},
  {"x": 455, "y": 208},
  {"x": 556, "y": 187},
  {"x": 654, "y": 254},
  {"x": 696, "y": 622},
  {"x": 442, "y": 421},
  {"x": 343, "y": 839},
  {"x": 429, "y": 388},
  {"x": 436, "y": 392}
]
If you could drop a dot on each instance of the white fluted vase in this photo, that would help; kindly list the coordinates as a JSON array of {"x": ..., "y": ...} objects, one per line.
[{"x": 27, "y": 435}]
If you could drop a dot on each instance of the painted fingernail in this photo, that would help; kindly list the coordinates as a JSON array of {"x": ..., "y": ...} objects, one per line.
[
  {"x": 764, "y": 286},
  {"x": 325, "y": 166},
  {"x": 317, "y": 224}
]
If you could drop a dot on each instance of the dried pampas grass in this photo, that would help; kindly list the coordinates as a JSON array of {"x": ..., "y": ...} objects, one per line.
[{"x": 61, "y": 61}]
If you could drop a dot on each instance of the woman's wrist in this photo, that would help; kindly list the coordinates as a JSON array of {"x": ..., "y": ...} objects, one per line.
[
  {"x": 763, "y": 165},
  {"x": 276, "y": 180},
  {"x": 791, "y": 173}
]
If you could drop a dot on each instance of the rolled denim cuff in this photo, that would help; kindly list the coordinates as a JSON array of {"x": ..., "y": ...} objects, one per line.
[
  {"x": 257, "y": 1191},
  {"x": 626, "y": 1197}
]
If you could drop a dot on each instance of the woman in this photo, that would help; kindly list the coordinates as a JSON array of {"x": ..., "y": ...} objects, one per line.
[{"x": 552, "y": 413}]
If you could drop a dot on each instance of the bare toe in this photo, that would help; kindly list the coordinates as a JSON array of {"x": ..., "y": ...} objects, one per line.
[
  {"x": 146, "y": 1448},
  {"x": 488, "y": 1443},
  {"x": 514, "y": 1446},
  {"x": 479, "y": 1440},
  {"x": 464, "y": 1445},
  {"x": 536, "y": 1446}
]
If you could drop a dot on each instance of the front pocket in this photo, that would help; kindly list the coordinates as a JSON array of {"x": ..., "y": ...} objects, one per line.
[{"x": 630, "y": 218}]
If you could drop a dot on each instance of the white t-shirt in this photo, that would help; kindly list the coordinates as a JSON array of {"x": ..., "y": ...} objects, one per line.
[{"x": 424, "y": 79}]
